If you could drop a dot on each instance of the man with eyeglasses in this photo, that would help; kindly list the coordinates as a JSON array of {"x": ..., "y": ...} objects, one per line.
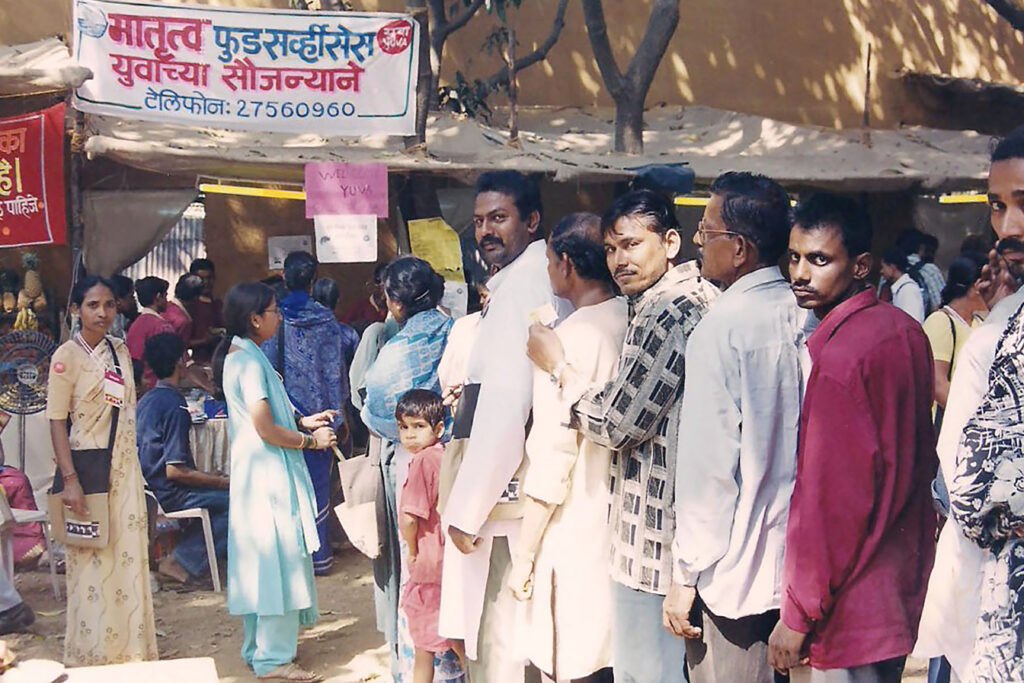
[{"x": 736, "y": 456}]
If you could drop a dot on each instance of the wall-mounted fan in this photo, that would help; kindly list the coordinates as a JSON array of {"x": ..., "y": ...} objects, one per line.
[{"x": 24, "y": 370}]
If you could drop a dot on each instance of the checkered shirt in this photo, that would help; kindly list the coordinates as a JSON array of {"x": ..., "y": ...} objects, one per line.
[{"x": 637, "y": 415}]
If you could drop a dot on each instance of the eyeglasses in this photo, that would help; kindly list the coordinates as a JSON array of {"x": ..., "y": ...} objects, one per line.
[
  {"x": 273, "y": 311},
  {"x": 703, "y": 232}
]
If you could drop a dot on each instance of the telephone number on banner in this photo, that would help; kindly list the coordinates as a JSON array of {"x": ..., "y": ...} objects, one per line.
[{"x": 170, "y": 101}]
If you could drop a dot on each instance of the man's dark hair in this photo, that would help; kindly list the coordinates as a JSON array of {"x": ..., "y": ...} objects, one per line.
[
  {"x": 162, "y": 353},
  {"x": 757, "y": 208},
  {"x": 897, "y": 258},
  {"x": 299, "y": 270},
  {"x": 188, "y": 288},
  {"x": 421, "y": 403},
  {"x": 1010, "y": 147},
  {"x": 123, "y": 286},
  {"x": 927, "y": 240},
  {"x": 825, "y": 210},
  {"x": 655, "y": 207},
  {"x": 201, "y": 264},
  {"x": 149, "y": 288},
  {"x": 909, "y": 241},
  {"x": 522, "y": 189},
  {"x": 578, "y": 236}
]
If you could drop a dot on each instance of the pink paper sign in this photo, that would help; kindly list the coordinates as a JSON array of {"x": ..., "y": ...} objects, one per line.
[{"x": 346, "y": 189}]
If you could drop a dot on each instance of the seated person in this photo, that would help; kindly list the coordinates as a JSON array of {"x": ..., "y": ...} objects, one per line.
[{"x": 163, "y": 424}]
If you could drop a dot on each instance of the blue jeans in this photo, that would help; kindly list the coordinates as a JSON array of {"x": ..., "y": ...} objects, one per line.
[
  {"x": 643, "y": 650},
  {"x": 190, "y": 552}
]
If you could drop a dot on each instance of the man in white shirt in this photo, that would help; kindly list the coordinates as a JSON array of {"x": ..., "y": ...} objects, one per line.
[
  {"x": 482, "y": 515},
  {"x": 906, "y": 294},
  {"x": 952, "y": 606},
  {"x": 738, "y": 438}
]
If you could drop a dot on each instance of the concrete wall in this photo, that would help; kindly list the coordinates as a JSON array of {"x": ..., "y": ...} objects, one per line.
[{"x": 789, "y": 59}]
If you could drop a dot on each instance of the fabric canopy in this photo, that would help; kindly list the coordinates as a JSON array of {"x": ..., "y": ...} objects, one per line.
[
  {"x": 43, "y": 66},
  {"x": 573, "y": 144},
  {"x": 121, "y": 227}
]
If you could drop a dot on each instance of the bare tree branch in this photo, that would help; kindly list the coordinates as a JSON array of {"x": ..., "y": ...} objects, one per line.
[
  {"x": 597, "y": 31},
  {"x": 500, "y": 78},
  {"x": 660, "y": 27},
  {"x": 1010, "y": 11},
  {"x": 459, "y": 20}
]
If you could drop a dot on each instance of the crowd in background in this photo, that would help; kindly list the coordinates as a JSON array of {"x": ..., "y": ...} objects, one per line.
[{"x": 624, "y": 465}]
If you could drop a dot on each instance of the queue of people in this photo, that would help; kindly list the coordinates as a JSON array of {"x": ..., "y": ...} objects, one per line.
[{"x": 625, "y": 467}]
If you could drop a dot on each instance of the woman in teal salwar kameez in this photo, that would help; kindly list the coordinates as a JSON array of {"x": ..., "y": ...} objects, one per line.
[{"x": 272, "y": 523}]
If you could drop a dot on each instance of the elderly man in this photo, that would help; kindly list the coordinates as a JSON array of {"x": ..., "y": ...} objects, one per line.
[{"x": 737, "y": 453}]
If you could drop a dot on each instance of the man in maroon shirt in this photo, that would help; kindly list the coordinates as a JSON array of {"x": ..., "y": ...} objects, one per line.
[
  {"x": 861, "y": 535},
  {"x": 207, "y": 312},
  {"x": 152, "y": 295}
]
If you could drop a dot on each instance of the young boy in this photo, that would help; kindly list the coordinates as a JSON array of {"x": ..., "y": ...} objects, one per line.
[{"x": 420, "y": 416}]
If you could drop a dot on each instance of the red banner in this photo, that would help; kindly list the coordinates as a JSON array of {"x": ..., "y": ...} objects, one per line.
[{"x": 32, "y": 179}]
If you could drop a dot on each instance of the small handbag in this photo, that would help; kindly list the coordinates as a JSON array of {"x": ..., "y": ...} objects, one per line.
[
  {"x": 93, "y": 468},
  {"x": 362, "y": 485}
]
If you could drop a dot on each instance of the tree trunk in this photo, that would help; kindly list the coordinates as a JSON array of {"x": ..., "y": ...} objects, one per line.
[
  {"x": 629, "y": 125},
  {"x": 426, "y": 88}
]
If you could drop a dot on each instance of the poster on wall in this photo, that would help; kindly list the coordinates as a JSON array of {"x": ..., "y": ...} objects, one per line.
[
  {"x": 32, "y": 179},
  {"x": 332, "y": 73},
  {"x": 346, "y": 239},
  {"x": 279, "y": 247}
]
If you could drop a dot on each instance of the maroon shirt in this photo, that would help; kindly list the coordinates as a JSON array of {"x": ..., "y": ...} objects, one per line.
[
  {"x": 206, "y": 315},
  {"x": 861, "y": 536},
  {"x": 147, "y": 325}
]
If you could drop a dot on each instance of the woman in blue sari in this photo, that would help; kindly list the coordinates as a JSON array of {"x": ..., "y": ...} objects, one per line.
[
  {"x": 271, "y": 523},
  {"x": 407, "y": 361}
]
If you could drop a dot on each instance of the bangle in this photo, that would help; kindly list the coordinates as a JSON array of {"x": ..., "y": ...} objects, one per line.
[{"x": 69, "y": 477}]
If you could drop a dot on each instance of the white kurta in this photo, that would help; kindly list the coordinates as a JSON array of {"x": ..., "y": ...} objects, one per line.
[
  {"x": 498, "y": 363},
  {"x": 952, "y": 605},
  {"x": 566, "y": 626}
]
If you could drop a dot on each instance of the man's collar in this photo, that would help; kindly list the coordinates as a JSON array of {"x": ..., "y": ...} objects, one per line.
[
  {"x": 146, "y": 310},
  {"x": 836, "y": 317},
  {"x": 753, "y": 279},
  {"x": 163, "y": 383},
  {"x": 531, "y": 252}
]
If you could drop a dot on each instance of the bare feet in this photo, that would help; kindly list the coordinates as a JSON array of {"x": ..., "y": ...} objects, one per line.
[{"x": 170, "y": 568}]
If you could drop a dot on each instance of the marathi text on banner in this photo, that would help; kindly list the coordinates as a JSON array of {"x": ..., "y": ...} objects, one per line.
[
  {"x": 333, "y": 73},
  {"x": 32, "y": 179}
]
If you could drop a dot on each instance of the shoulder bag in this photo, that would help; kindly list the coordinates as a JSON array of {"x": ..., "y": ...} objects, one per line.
[{"x": 93, "y": 468}]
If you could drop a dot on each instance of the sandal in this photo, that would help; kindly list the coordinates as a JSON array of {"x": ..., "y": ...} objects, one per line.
[{"x": 291, "y": 672}]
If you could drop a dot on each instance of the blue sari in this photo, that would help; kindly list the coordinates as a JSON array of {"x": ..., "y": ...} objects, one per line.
[
  {"x": 316, "y": 378},
  {"x": 407, "y": 361}
]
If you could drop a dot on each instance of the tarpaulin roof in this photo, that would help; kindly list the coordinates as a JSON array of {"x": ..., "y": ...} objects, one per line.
[
  {"x": 574, "y": 144},
  {"x": 43, "y": 66}
]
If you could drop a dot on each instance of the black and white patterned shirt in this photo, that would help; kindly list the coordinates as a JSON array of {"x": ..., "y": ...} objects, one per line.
[{"x": 637, "y": 415}]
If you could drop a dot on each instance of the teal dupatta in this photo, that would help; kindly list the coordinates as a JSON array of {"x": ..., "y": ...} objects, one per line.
[{"x": 272, "y": 521}]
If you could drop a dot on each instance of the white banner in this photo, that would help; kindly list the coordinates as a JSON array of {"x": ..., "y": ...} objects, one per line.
[{"x": 332, "y": 73}]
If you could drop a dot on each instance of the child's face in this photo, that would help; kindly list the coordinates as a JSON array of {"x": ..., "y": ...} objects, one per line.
[{"x": 415, "y": 433}]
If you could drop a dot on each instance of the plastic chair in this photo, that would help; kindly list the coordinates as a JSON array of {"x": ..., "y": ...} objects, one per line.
[
  {"x": 12, "y": 517},
  {"x": 203, "y": 515}
]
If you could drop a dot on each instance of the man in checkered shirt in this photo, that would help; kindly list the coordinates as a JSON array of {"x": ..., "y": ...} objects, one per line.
[{"x": 637, "y": 415}]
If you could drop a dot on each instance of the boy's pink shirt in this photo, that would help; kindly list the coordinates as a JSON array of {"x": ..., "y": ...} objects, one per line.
[{"x": 419, "y": 499}]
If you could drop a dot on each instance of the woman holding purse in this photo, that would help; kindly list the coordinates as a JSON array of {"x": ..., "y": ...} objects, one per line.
[
  {"x": 272, "y": 531},
  {"x": 110, "y": 606}
]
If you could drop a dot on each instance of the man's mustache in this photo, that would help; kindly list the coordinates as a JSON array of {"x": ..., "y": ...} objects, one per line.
[{"x": 487, "y": 241}]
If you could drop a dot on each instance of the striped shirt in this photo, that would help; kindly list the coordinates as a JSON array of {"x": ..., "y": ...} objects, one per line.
[{"x": 637, "y": 415}]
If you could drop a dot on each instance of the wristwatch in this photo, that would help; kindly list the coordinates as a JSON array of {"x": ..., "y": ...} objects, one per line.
[{"x": 556, "y": 373}]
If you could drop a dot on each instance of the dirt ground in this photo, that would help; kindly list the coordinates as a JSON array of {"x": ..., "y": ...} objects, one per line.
[{"x": 345, "y": 646}]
